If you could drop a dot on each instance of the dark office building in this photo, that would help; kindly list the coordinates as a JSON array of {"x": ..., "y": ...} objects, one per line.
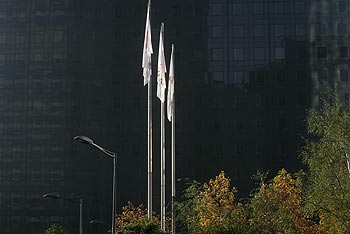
[
  {"x": 72, "y": 67},
  {"x": 246, "y": 71},
  {"x": 269, "y": 61}
]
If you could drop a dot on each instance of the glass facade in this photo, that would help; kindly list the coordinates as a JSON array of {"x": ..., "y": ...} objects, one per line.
[
  {"x": 73, "y": 67},
  {"x": 246, "y": 72},
  {"x": 280, "y": 57}
]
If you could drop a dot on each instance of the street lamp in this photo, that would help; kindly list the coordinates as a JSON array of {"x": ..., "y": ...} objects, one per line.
[
  {"x": 95, "y": 221},
  {"x": 87, "y": 140},
  {"x": 80, "y": 201}
]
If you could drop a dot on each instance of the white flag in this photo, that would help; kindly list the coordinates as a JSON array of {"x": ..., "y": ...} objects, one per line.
[
  {"x": 161, "y": 67},
  {"x": 170, "y": 99},
  {"x": 147, "y": 50}
]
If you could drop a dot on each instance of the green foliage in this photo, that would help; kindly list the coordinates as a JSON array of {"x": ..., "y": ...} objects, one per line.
[
  {"x": 55, "y": 229},
  {"x": 141, "y": 228},
  {"x": 185, "y": 210},
  {"x": 327, "y": 154}
]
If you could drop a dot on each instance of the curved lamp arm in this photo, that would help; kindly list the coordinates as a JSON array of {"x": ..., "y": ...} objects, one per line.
[{"x": 88, "y": 141}]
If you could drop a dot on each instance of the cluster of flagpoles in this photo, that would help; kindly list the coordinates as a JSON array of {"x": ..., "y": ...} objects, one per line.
[{"x": 161, "y": 86}]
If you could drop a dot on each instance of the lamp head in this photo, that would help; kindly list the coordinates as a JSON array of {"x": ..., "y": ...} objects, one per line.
[
  {"x": 84, "y": 140},
  {"x": 96, "y": 222},
  {"x": 51, "y": 195}
]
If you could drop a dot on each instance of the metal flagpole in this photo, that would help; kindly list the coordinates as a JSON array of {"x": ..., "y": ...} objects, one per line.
[
  {"x": 173, "y": 192},
  {"x": 147, "y": 73},
  {"x": 162, "y": 168},
  {"x": 161, "y": 86},
  {"x": 173, "y": 178},
  {"x": 149, "y": 203}
]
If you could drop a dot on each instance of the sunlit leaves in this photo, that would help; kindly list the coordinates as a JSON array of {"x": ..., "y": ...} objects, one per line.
[
  {"x": 211, "y": 207},
  {"x": 326, "y": 151},
  {"x": 133, "y": 219},
  {"x": 277, "y": 207}
]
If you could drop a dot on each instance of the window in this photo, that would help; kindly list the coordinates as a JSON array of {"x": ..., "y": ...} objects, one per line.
[
  {"x": 302, "y": 100},
  {"x": 218, "y": 54},
  {"x": 282, "y": 124},
  {"x": 299, "y": 7},
  {"x": 260, "y": 125},
  {"x": 237, "y": 8},
  {"x": 118, "y": 36},
  {"x": 323, "y": 75},
  {"x": 301, "y": 52},
  {"x": 279, "y": 30},
  {"x": 283, "y": 146},
  {"x": 219, "y": 150},
  {"x": 259, "y": 30},
  {"x": 217, "y": 9},
  {"x": 238, "y": 78},
  {"x": 259, "y": 100},
  {"x": 342, "y": 28},
  {"x": 321, "y": 29},
  {"x": 2, "y": 38},
  {"x": 300, "y": 29},
  {"x": 344, "y": 75},
  {"x": 281, "y": 100},
  {"x": 38, "y": 58},
  {"x": 279, "y": 8},
  {"x": 217, "y": 31},
  {"x": 341, "y": 6},
  {"x": 57, "y": 36},
  {"x": 260, "y": 77},
  {"x": 238, "y": 54},
  {"x": 59, "y": 55},
  {"x": 343, "y": 52},
  {"x": 2, "y": 58},
  {"x": 218, "y": 76},
  {"x": 281, "y": 76},
  {"x": 279, "y": 53},
  {"x": 259, "y": 53},
  {"x": 301, "y": 76},
  {"x": 324, "y": 6},
  {"x": 19, "y": 38},
  {"x": 237, "y": 31},
  {"x": 321, "y": 52},
  {"x": 19, "y": 58},
  {"x": 258, "y": 8}
]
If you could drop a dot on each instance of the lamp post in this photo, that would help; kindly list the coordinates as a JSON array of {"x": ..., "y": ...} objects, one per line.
[
  {"x": 87, "y": 140},
  {"x": 80, "y": 201}
]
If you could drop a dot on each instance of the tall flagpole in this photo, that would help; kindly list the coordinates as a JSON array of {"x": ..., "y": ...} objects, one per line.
[
  {"x": 173, "y": 179},
  {"x": 149, "y": 187},
  {"x": 161, "y": 95},
  {"x": 171, "y": 118},
  {"x": 147, "y": 72},
  {"x": 162, "y": 134},
  {"x": 162, "y": 168}
]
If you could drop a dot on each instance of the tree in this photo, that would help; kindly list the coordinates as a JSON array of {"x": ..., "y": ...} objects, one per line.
[
  {"x": 134, "y": 220},
  {"x": 277, "y": 207},
  {"x": 211, "y": 208},
  {"x": 327, "y": 154},
  {"x": 186, "y": 215},
  {"x": 55, "y": 229}
]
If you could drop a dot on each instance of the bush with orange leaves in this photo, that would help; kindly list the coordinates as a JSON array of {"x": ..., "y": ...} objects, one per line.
[
  {"x": 133, "y": 219},
  {"x": 218, "y": 207},
  {"x": 277, "y": 207},
  {"x": 211, "y": 208}
]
